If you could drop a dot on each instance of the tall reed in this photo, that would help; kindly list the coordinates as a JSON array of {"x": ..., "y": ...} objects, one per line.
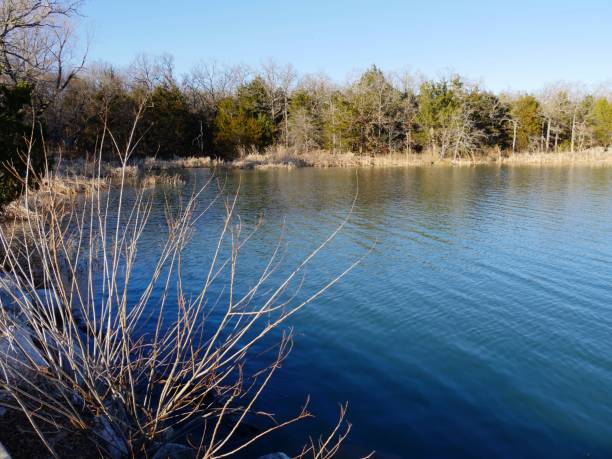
[{"x": 78, "y": 358}]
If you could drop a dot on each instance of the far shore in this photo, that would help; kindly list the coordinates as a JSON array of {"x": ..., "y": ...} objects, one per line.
[
  {"x": 326, "y": 159},
  {"x": 77, "y": 176}
]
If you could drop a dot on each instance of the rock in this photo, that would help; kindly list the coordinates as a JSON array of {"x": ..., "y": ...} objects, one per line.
[
  {"x": 3, "y": 398},
  {"x": 4, "y": 453},
  {"x": 17, "y": 348},
  {"x": 275, "y": 456},
  {"x": 47, "y": 298},
  {"x": 114, "y": 444},
  {"x": 10, "y": 293},
  {"x": 48, "y": 302},
  {"x": 174, "y": 451}
]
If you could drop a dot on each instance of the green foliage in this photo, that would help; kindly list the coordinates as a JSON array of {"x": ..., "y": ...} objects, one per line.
[
  {"x": 305, "y": 121},
  {"x": 301, "y": 100},
  {"x": 242, "y": 121},
  {"x": 170, "y": 126},
  {"x": 438, "y": 103},
  {"x": 15, "y": 131},
  {"x": 337, "y": 122},
  {"x": 374, "y": 107},
  {"x": 601, "y": 119},
  {"x": 371, "y": 116},
  {"x": 527, "y": 113},
  {"x": 490, "y": 118}
]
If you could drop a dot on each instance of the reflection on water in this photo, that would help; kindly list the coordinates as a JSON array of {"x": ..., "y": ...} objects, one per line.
[{"x": 478, "y": 326}]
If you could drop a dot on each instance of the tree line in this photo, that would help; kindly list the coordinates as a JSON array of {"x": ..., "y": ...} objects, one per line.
[
  {"x": 219, "y": 110},
  {"x": 224, "y": 110}
]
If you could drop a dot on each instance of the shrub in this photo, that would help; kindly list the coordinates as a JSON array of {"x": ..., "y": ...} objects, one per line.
[{"x": 18, "y": 135}]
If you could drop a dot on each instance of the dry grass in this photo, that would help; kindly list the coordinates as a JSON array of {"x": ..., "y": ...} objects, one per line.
[
  {"x": 163, "y": 179},
  {"x": 75, "y": 358},
  {"x": 594, "y": 156},
  {"x": 177, "y": 163},
  {"x": 280, "y": 157},
  {"x": 52, "y": 188}
]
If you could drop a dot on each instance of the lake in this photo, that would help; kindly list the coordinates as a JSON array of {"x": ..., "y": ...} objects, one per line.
[{"x": 478, "y": 325}]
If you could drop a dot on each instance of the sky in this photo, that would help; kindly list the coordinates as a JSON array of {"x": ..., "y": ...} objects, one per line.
[{"x": 505, "y": 45}]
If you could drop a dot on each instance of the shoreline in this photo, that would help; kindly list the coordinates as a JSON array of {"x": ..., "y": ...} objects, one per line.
[
  {"x": 596, "y": 156},
  {"x": 324, "y": 159},
  {"x": 75, "y": 177},
  {"x": 147, "y": 173}
]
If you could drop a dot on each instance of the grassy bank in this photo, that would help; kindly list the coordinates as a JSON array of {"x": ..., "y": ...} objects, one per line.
[
  {"x": 280, "y": 157},
  {"x": 73, "y": 177},
  {"x": 76, "y": 370}
]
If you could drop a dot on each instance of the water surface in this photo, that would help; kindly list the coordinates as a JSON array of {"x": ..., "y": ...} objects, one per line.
[{"x": 478, "y": 326}]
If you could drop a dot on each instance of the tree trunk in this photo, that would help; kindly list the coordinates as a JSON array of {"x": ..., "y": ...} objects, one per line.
[
  {"x": 333, "y": 113},
  {"x": 286, "y": 122},
  {"x": 573, "y": 140},
  {"x": 514, "y": 138},
  {"x": 548, "y": 135},
  {"x": 408, "y": 140},
  {"x": 432, "y": 141}
]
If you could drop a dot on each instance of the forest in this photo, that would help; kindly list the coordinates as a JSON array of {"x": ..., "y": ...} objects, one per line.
[
  {"x": 224, "y": 111},
  {"x": 143, "y": 315},
  {"x": 221, "y": 110}
]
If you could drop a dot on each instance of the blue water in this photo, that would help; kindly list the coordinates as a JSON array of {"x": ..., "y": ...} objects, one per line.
[{"x": 478, "y": 325}]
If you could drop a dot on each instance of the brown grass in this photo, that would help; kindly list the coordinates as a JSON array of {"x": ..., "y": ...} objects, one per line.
[
  {"x": 177, "y": 163},
  {"x": 163, "y": 179},
  {"x": 594, "y": 156},
  {"x": 280, "y": 157},
  {"x": 52, "y": 188},
  {"x": 76, "y": 359}
]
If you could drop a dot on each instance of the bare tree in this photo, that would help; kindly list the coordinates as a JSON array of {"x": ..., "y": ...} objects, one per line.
[
  {"x": 209, "y": 82},
  {"x": 279, "y": 81},
  {"x": 303, "y": 132},
  {"x": 37, "y": 44},
  {"x": 151, "y": 71},
  {"x": 556, "y": 108},
  {"x": 408, "y": 85},
  {"x": 465, "y": 136}
]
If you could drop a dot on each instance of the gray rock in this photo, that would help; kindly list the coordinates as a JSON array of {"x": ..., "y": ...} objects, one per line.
[
  {"x": 10, "y": 293},
  {"x": 17, "y": 348},
  {"x": 275, "y": 456},
  {"x": 114, "y": 444},
  {"x": 47, "y": 298},
  {"x": 3, "y": 398},
  {"x": 4, "y": 453},
  {"x": 174, "y": 451}
]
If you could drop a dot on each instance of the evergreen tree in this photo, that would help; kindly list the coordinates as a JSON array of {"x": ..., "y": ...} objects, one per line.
[
  {"x": 170, "y": 127},
  {"x": 15, "y": 132},
  {"x": 243, "y": 121},
  {"x": 601, "y": 121},
  {"x": 438, "y": 105},
  {"x": 527, "y": 114}
]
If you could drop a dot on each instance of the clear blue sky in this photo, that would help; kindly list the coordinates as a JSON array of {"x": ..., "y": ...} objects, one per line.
[{"x": 514, "y": 44}]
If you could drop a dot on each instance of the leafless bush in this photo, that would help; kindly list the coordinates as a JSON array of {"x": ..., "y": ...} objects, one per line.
[
  {"x": 152, "y": 180},
  {"x": 98, "y": 362}
]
